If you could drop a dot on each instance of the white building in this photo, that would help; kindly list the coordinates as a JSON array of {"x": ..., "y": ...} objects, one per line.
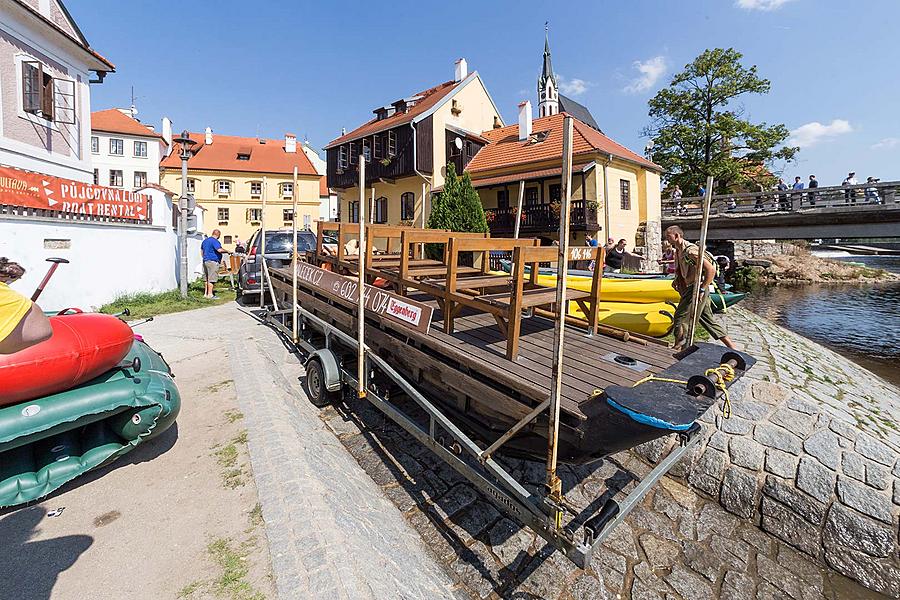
[
  {"x": 328, "y": 200},
  {"x": 125, "y": 152},
  {"x": 46, "y": 66}
]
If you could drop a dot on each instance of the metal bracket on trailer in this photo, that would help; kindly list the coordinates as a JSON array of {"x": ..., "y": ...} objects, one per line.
[{"x": 481, "y": 470}]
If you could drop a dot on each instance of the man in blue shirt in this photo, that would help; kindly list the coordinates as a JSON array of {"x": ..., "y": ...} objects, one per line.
[{"x": 212, "y": 252}]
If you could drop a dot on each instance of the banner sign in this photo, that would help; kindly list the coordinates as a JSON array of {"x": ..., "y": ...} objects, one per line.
[
  {"x": 383, "y": 303},
  {"x": 34, "y": 190}
]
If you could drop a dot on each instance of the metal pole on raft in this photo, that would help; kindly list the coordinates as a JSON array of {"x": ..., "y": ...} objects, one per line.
[
  {"x": 554, "y": 485},
  {"x": 361, "y": 284},
  {"x": 262, "y": 248},
  {"x": 704, "y": 226},
  {"x": 294, "y": 262}
]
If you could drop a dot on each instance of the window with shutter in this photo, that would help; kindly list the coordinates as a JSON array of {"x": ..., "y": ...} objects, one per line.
[
  {"x": 391, "y": 143},
  {"x": 376, "y": 146},
  {"x": 32, "y": 75}
]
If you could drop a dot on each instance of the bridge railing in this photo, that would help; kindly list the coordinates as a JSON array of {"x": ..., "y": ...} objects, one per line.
[{"x": 864, "y": 194}]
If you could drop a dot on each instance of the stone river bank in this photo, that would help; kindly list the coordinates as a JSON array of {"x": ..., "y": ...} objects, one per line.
[{"x": 797, "y": 495}]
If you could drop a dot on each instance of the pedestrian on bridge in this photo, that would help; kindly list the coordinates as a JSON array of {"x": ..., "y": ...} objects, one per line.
[
  {"x": 813, "y": 183},
  {"x": 782, "y": 198},
  {"x": 872, "y": 191},
  {"x": 687, "y": 261},
  {"x": 850, "y": 195},
  {"x": 798, "y": 185}
]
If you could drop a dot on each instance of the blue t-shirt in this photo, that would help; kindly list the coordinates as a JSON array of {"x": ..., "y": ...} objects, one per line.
[
  {"x": 209, "y": 247},
  {"x": 594, "y": 243}
]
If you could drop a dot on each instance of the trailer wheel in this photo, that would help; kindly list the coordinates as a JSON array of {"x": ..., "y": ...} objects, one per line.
[{"x": 315, "y": 385}]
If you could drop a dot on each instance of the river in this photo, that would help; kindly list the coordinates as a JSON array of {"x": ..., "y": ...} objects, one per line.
[{"x": 861, "y": 322}]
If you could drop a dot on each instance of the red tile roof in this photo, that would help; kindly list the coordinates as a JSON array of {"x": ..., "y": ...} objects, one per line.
[
  {"x": 430, "y": 97},
  {"x": 524, "y": 175},
  {"x": 156, "y": 186},
  {"x": 505, "y": 149},
  {"x": 323, "y": 188},
  {"x": 221, "y": 155},
  {"x": 114, "y": 120}
]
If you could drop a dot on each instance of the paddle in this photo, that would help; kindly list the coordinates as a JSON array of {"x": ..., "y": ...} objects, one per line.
[{"x": 55, "y": 265}]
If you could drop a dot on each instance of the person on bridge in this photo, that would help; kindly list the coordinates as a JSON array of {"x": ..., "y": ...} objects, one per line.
[
  {"x": 783, "y": 203},
  {"x": 687, "y": 260},
  {"x": 872, "y": 191},
  {"x": 850, "y": 195},
  {"x": 813, "y": 183}
]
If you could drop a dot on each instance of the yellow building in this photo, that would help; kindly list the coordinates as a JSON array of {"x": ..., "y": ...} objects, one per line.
[
  {"x": 410, "y": 142},
  {"x": 230, "y": 176},
  {"x": 528, "y": 156}
]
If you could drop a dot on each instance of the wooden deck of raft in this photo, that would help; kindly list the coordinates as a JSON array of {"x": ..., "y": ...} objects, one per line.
[{"x": 485, "y": 319}]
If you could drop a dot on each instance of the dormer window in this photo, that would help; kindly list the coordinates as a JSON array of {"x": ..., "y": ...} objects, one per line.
[
  {"x": 380, "y": 113},
  {"x": 243, "y": 156},
  {"x": 400, "y": 106},
  {"x": 538, "y": 137}
]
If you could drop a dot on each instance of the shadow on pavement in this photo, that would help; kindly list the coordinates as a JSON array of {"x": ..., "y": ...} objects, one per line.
[{"x": 29, "y": 569}]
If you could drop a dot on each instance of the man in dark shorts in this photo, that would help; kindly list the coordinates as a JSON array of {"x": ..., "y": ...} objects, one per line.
[
  {"x": 687, "y": 259},
  {"x": 212, "y": 252}
]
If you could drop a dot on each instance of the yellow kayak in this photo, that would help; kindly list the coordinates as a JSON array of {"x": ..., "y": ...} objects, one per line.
[
  {"x": 640, "y": 291},
  {"x": 648, "y": 318}
]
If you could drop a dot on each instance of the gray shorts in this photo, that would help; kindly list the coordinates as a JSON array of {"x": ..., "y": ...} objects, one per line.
[{"x": 211, "y": 270}]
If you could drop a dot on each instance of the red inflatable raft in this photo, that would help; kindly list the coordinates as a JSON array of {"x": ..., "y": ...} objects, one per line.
[{"x": 83, "y": 346}]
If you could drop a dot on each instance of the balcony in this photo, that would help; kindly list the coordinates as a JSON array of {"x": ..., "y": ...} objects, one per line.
[{"x": 542, "y": 218}]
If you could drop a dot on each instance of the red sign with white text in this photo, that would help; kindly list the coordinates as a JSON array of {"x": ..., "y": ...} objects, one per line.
[{"x": 34, "y": 190}]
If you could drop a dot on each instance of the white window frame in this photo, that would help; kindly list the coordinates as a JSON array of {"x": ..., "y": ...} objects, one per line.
[
  {"x": 95, "y": 144},
  {"x": 96, "y": 176},
  {"x": 136, "y": 146},
  {"x": 254, "y": 215},
  {"x": 31, "y": 117},
  {"x": 343, "y": 157},
  {"x": 258, "y": 191},
  {"x": 121, "y": 141},
  {"x": 140, "y": 185},
  {"x": 223, "y": 183},
  {"x": 287, "y": 214},
  {"x": 219, "y": 214},
  {"x": 287, "y": 189},
  {"x": 391, "y": 143},
  {"x": 121, "y": 178},
  {"x": 191, "y": 185}
]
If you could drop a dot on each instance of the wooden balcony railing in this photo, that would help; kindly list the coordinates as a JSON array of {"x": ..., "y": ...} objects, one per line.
[{"x": 537, "y": 218}]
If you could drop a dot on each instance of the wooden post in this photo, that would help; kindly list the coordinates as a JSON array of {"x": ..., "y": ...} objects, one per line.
[
  {"x": 294, "y": 263},
  {"x": 704, "y": 226},
  {"x": 518, "y": 215},
  {"x": 361, "y": 284},
  {"x": 262, "y": 248},
  {"x": 554, "y": 485}
]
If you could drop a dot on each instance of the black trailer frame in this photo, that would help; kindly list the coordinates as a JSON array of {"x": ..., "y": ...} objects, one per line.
[{"x": 461, "y": 452}]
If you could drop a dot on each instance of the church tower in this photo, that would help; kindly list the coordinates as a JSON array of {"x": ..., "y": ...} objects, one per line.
[{"x": 548, "y": 88}]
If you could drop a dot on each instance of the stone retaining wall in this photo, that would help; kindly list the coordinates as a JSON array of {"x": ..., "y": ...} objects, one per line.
[{"x": 810, "y": 454}]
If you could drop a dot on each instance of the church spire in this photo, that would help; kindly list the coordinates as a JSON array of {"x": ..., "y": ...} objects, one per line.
[{"x": 548, "y": 93}]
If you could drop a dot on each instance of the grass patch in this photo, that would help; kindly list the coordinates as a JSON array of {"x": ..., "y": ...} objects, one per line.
[
  {"x": 233, "y": 415},
  {"x": 235, "y": 567},
  {"x": 189, "y": 590},
  {"x": 219, "y": 386},
  {"x": 700, "y": 334},
  {"x": 227, "y": 457},
  {"x": 256, "y": 516},
  {"x": 143, "y": 305}
]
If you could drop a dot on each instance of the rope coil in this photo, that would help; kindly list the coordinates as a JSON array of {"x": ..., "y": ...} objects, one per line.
[{"x": 720, "y": 376}]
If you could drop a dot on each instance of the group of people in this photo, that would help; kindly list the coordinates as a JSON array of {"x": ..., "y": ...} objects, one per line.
[
  {"x": 615, "y": 254},
  {"x": 785, "y": 193}
]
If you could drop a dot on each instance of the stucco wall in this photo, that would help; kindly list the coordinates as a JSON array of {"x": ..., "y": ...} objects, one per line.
[
  {"x": 128, "y": 163},
  {"x": 106, "y": 259},
  {"x": 390, "y": 191}
]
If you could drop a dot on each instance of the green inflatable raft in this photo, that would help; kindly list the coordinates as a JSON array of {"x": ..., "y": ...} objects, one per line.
[{"x": 49, "y": 441}]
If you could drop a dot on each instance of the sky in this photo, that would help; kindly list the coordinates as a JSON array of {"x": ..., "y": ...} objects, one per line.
[{"x": 310, "y": 68}]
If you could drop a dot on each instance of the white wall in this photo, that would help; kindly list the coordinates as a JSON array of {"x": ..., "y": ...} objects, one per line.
[{"x": 106, "y": 259}]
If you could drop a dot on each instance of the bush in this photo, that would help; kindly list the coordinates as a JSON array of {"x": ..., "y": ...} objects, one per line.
[{"x": 457, "y": 208}]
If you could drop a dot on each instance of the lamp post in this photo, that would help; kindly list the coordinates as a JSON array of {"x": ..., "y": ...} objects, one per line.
[{"x": 186, "y": 143}]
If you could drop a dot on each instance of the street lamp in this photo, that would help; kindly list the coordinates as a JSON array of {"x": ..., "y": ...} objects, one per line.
[{"x": 186, "y": 142}]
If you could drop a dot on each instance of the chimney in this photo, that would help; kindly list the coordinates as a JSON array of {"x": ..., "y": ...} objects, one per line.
[
  {"x": 343, "y": 131},
  {"x": 497, "y": 124},
  {"x": 208, "y": 136},
  {"x": 462, "y": 70},
  {"x": 290, "y": 143},
  {"x": 167, "y": 134},
  {"x": 524, "y": 120}
]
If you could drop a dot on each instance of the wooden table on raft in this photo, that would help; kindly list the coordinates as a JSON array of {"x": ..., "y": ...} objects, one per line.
[{"x": 468, "y": 366}]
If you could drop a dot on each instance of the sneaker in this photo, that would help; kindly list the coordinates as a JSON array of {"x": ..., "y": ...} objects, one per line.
[{"x": 214, "y": 297}]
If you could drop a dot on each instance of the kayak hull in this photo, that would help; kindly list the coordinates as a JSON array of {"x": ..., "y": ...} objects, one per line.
[
  {"x": 654, "y": 319},
  {"x": 48, "y": 441}
]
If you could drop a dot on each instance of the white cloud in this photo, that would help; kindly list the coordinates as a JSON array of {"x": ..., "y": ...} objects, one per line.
[
  {"x": 815, "y": 132},
  {"x": 886, "y": 144},
  {"x": 765, "y": 5},
  {"x": 651, "y": 71},
  {"x": 572, "y": 87}
]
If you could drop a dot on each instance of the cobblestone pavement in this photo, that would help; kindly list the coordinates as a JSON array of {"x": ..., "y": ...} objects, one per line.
[{"x": 331, "y": 532}]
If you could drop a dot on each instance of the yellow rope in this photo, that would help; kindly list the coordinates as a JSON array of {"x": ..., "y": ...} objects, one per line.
[{"x": 720, "y": 376}]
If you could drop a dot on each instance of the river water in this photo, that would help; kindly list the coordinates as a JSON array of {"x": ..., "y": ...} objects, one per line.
[{"x": 861, "y": 322}]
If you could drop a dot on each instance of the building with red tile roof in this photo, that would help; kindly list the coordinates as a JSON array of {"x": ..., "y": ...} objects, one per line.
[
  {"x": 233, "y": 176},
  {"x": 125, "y": 153},
  {"x": 115, "y": 120}
]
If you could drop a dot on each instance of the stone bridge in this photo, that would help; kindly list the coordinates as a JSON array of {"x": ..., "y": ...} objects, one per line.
[{"x": 867, "y": 210}]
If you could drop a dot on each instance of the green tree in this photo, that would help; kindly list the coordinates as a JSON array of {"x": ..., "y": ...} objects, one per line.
[
  {"x": 458, "y": 208},
  {"x": 699, "y": 127}
]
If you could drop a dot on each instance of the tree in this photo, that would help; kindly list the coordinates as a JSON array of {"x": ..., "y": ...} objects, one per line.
[
  {"x": 699, "y": 128},
  {"x": 458, "y": 208}
]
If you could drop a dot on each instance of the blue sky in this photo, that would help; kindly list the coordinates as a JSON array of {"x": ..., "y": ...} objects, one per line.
[{"x": 248, "y": 68}]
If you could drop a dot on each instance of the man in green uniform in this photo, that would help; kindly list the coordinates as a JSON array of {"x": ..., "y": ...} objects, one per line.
[{"x": 687, "y": 257}]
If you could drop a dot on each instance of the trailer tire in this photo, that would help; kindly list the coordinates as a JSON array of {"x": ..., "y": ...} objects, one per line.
[{"x": 315, "y": 385}]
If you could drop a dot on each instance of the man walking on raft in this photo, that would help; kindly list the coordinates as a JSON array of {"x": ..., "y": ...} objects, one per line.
[{"x": 686, "y": 259}]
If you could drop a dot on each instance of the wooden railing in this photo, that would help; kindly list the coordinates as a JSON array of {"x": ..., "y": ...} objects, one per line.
[
  {"x": 865, "y": 194},
  {"x": 542, "y": 217}
]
